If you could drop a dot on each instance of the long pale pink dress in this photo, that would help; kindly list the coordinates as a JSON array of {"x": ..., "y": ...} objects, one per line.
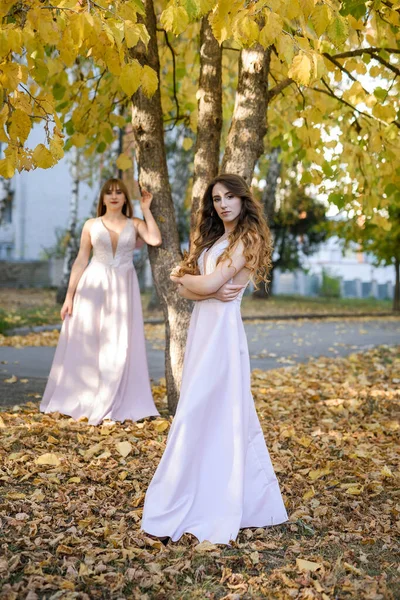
[
  {"x": 215, "y": 476},
  {"x": 100, "y": 366}
]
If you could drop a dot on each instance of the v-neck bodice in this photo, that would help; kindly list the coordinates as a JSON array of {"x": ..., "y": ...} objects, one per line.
[{"x": 102, "y": 244}]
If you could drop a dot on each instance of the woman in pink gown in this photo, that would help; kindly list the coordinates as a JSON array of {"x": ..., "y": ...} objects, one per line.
[
  {"x": 216, "y": 476},
  {"x": 100, "y": 366}
]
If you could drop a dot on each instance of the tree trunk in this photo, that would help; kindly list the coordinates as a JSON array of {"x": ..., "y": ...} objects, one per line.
[
  {"x": 206, "y": 159},
  {"x": 245, "y": 142},
  {"x": 73, "y": 242},
  {"x": 396, "y": 297},
  {"x": 147, "y": 124},
  {"x": 268, "y": 201}
]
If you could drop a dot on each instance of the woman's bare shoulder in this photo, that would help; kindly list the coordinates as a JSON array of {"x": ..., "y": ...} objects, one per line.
[{"x": 89, "y": 224}]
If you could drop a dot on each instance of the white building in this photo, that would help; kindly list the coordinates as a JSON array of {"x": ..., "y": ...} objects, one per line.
[{"x": 39, "y": 204}]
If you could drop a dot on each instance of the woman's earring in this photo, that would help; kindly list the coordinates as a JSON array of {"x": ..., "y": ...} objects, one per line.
[{"x": 211, "y": 213}]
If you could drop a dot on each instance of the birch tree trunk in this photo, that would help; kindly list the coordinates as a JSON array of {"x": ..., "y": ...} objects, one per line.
[
  {"x": 148, "y": 131},
  {"x": 209, "y": 126},
  {"x": 73, "y": 242},
  {"x": 268, "y": 201},
  {"x": 396, "y": 297},
  {"x": 245, "y": 142}
]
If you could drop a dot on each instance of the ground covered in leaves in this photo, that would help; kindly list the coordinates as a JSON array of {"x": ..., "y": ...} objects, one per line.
[{"x": 72, "y": 495}]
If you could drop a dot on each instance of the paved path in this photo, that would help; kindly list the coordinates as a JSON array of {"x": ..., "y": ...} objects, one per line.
[{"x": 271, "y": 344}]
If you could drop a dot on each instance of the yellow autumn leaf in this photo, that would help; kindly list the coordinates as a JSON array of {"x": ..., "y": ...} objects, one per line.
[
  {"x": 161, "y": 426},
  {"x": 187, "y": 143},
  {"x": 309, "y": 494},
  {"x": 355, "y": 490},
  {"x": 307, "y": 6},
  {"x": 12, "y": 379},
  {"x": 123, "y": 162},
  {"x": 130, "y": 77},
  {"x": 90, "y": 452},
  {"x": 246, "y": 31},
  {"x": 320, "y": 18},
  {"x": 205, "y": 546},
  {"x": 386, "y": 472},
  {"x": 149, "y": 81},
  {"x": 57, "y": 148},
  {"x": 175, "y": 19},
  {"x": 74, "y": 480},
  {"x": 124, "y": 448},
  {"x": 42, "y": 157},
  {"x": 20, "y": 126},
  {"x": 132, "y": 34},
  {"x": 12, "y": 74},
  {"x": 271, "y": 30},
  {"x": 307, "y": 565},
  {"x": 48, "y": 459},
  {"x": 300, "y": 69},
  {"x": 318, "y": 473}
]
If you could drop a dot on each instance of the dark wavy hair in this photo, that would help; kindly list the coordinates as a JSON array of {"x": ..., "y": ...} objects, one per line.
[
  {"x": 251, "y": 229},
  {"x": 109, "y": 185}
]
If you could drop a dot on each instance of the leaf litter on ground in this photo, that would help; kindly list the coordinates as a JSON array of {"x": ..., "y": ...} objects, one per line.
[{"x": 72, "y": 497}]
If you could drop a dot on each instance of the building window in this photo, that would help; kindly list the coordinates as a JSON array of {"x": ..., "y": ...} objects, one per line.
[{"x": 7, "y": 208}]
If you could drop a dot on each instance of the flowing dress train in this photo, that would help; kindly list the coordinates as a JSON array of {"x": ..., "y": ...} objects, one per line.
[{"x": 215, "y": 475}]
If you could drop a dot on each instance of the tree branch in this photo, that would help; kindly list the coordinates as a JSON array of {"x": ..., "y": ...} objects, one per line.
[
  {"x": 339, "y": 66},
  {"x": 361, "y": 51},
  {"x": 387, "y": 64},
  {"x": 278, "y": 88},
  {"x": 331, "y": 93},
  {"x": 177, "y": 117}
]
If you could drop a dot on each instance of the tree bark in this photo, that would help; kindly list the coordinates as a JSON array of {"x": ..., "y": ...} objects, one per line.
[
  {"x": 147, "y": 124},
  {"x": 73, "y": 242},
  {"x": 245, "y": 142},
  {"x": 396, "y": 297},
  {"x": 268, "y": 201},
  {"x": 209, "y": 126}
]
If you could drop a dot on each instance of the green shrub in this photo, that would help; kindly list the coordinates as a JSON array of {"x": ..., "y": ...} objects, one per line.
[{"x": 330, "y": 287}]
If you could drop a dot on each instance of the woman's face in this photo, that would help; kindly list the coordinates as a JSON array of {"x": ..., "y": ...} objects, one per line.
[
  {"x": 114, "y": 199},
  {"x": 226, "y": 204}
]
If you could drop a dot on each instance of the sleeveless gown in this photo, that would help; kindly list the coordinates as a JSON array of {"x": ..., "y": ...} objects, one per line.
[
  {"x": 100, "y": 368},
  {"x": 215, "y": 475}
]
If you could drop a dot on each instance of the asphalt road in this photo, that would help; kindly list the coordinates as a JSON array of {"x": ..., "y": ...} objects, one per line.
[{"x": 272, "y": 344}]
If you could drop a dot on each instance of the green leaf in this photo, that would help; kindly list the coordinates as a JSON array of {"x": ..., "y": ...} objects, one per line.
[
  {"x": 58, "y": 91},
  {"x": 337, "y": 199},
  {"x": 390, "y": 189},
  {"x": 193, "y": 9},
  {"x": 69, "y": 127},
  {"x": 101, "y": 147},
  {"x": 380, "y": 93},
  {"x": 356, "y": 8}
]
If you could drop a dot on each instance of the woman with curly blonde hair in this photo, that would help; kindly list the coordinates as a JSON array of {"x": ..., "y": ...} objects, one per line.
[{"x": 216, "y": 476}]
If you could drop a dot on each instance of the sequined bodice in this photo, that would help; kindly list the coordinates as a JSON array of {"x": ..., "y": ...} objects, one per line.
[
  {"x": 102, "y": 246},
  {"x": 209, "y": 261}
]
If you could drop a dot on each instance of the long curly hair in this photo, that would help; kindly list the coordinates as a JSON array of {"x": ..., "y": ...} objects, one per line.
[
  {"x": 108, "y": 186},
  {"x": 251, "y": 229}
]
